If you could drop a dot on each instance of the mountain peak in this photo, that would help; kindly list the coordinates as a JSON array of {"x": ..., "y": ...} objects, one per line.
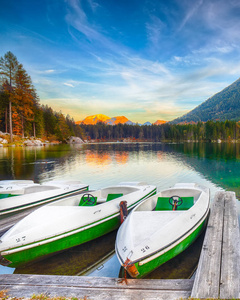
[
  {"x": 117, "y": 120},
  {"x": 222, "y": 106},
  {"x": 159, "y": 122},
  {"x": 94, "y": 119}
]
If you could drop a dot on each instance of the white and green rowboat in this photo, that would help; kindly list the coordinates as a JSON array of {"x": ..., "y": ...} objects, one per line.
[
  {"x": 161, "y": 227},
  {"x": 9, "y": 188},
  {"x": 19, "y": 195},
  {"x": 69, "y": 222}
]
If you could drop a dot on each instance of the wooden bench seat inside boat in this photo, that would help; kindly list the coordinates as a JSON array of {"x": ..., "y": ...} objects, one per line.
[{"x": 163, "y": 203}]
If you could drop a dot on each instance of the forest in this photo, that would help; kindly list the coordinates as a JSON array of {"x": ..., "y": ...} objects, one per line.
[
  {"x": 22, "y": 114},
  {"x": 208, "y": 131}
]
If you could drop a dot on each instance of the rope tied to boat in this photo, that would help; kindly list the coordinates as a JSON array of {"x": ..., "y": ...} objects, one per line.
[
  {"x": 175, "y": 205},
  {"x": 123, "y": 211},
  {"x": 131, "y": 268}
]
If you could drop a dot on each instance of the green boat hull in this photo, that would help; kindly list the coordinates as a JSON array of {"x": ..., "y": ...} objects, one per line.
[
  {"x": 42, "y": 249},
  {"x": 36, "y": 252},
  {"x": 144, "y": 269}
]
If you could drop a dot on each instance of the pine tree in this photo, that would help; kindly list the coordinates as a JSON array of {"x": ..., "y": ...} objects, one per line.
[
  {"x": 8, "y": 69},
  {"x": 24, "y": 98}
]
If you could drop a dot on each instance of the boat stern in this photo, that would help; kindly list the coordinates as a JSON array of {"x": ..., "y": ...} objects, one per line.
[{"x": 4, "y": 262}]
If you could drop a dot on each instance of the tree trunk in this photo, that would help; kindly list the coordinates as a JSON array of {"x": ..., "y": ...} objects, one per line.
[
  {"x": 10, "y": 121},
  {"x": 34, "y": 130},
  {"x": 6, "y": 120},
  {"x": 22, "y": 128}
]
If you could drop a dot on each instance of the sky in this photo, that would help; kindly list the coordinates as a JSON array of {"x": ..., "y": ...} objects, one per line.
[{"x": 145, "y": 59}]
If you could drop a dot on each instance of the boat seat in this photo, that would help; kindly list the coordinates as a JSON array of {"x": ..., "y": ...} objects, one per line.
[
  {"x": 101, "y": 200},
  {"x": 113, "y": 196},
  {"x": 2, "y": 196},
  {"x": 163, "y": 203},
  {"x": 86, "y": 203}
]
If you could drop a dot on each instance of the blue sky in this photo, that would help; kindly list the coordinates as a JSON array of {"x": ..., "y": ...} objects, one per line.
[{"x": 144, "y": 59}]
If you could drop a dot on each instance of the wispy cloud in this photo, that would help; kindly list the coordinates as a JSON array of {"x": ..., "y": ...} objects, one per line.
[
  {"x": 68, "y": 84},
  {"x": 154, "y": 30},
  {"x": 192, "y": 9},
  {"x": 184, "y": 55},
  {"x": 77, "y": 18}
]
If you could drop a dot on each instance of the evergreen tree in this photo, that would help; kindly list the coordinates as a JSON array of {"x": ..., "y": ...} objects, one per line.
[
  {"x": 24, "y": 97},
  {"x": 8, "y": 69}
]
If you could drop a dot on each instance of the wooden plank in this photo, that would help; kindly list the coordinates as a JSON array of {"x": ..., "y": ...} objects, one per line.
[
  {"x": 8, "y": 222},
  {"x": 207, "y": 280},
  {"x": 94, "y": 288},
  {"x": 230, "y": 266},
  {"x": 101, "y": 282},
  {"x": 95, "y": 294}
]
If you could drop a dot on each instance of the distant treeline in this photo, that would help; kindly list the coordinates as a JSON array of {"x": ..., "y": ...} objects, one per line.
[
  {"x": 209, "y": 131},
  {"x": 20, "y": 109},
  {"x": 22, "y": 114}
]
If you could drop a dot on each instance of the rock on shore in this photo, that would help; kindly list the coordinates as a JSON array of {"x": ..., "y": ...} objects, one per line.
[{"x": 75, "y": 140}]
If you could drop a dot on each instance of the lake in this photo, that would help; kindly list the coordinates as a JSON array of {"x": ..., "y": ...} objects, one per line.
[{"x": 216, "y": 166}]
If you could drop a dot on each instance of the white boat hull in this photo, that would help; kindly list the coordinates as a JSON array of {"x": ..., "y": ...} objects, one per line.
[{"x": 150, "y": 237}]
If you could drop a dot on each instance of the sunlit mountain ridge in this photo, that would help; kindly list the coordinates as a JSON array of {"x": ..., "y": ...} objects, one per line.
[
  {"x": 94, "y": 119},
  {"x": 159, "y": 122}
]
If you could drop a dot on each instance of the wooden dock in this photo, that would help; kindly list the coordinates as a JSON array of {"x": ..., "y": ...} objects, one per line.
[{"x": 217, "y": 275}]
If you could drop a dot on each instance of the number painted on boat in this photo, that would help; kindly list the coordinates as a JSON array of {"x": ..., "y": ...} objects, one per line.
[
  {"x": 145, "y": 249},
  {"x": 124, "y": 249},
  {"x": 21, "y": 239}
]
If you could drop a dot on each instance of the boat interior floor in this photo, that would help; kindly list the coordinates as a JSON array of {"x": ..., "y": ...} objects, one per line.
[{"x": 156, "y": 220}]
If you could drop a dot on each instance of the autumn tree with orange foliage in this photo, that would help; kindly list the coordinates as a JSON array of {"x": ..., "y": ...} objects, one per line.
[
  {"x": 24, "y": 99},
  {"x": 20, "y": 110}
]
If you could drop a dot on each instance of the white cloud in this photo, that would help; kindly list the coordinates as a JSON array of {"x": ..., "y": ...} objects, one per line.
[
  {"x": 68, "y": 84},
  {"x": 49, "y": 71}
]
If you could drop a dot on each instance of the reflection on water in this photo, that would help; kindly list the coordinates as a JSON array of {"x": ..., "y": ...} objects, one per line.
[
  {"x": 219, "y": 163},
  {"x": 98, "y": 164},
  {"x": 213, "y": 165}
]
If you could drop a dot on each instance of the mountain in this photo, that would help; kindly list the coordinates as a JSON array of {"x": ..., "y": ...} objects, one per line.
[
  {"x": 130, "y": 123},
  {"x": 147, "y": 123},
  {"x": 92, "y": 120},
  {"x": 159, "y": 122},
  {"x": 224, "y": 105},
  {"x": 116, "y": 120}
]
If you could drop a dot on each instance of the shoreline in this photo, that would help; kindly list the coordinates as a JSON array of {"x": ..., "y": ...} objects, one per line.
[{"x": 44, "y": 143}]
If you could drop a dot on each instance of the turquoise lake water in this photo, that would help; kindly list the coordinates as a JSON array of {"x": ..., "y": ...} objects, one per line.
[{"x": 216, "y": 166}]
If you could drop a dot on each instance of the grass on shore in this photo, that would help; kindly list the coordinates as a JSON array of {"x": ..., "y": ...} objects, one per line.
[{"x": 4, "y": 296}]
